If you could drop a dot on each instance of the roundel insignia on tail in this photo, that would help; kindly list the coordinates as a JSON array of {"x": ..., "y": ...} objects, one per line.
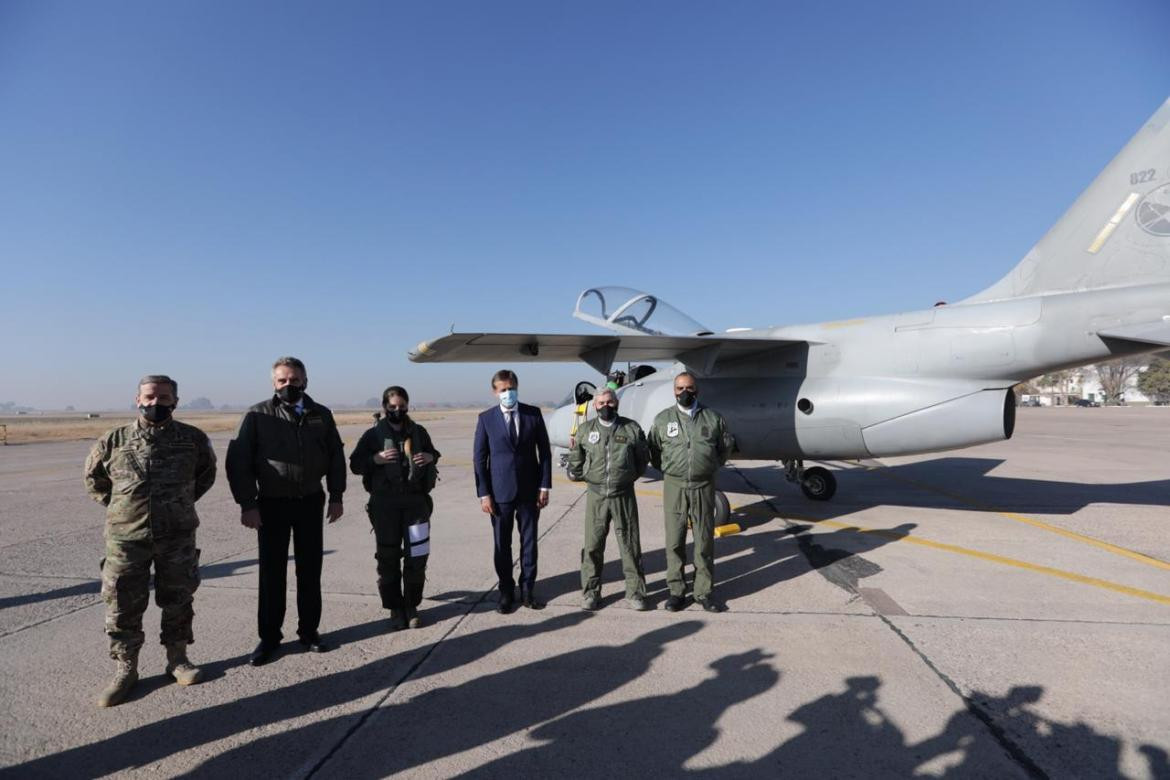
[{"x": 1153, "y": 212}]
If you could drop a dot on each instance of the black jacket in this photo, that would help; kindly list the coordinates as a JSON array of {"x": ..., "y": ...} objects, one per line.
[
  {"x": 394, "y": 478},
  {"x": 277, "y": 454}
]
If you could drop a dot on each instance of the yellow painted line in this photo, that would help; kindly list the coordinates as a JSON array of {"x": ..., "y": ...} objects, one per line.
[
  {"x": 1001, "y": 559},
  {"x": 1113, "y": 548},
  {"x": 1112, "y": 224},
  {"x": 978, "y": 554}
]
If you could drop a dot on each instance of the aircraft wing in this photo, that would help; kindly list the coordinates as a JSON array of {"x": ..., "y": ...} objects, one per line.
[
  {"x": 699, "y": 353},
  {"x": 1156, "y": 333}
]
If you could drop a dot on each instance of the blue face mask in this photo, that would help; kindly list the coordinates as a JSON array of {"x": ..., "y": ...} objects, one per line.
[{"x": 508, "y": 398}]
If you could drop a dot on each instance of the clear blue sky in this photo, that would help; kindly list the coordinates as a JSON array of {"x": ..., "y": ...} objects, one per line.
[{"x": 198, "y": 187}]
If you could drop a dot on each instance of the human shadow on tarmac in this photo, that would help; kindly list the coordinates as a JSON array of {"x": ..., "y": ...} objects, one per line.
[
  {"x": 748, "y": 563},
  {"x": 94, "y": 587},
  {"x": 952, "y": 483},
  {"x": 166, "y": 737},
  {"x": 475, "y": 713},
  {"x": 849, "y": 734},
  {"x": 647, "y": 737},
  {"x": 845, "y": 734},
  {"x": 842, "y": 734}
]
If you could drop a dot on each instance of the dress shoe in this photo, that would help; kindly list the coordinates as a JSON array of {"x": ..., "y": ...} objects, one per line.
[
  {"x": 315, "y": 645},
  {"x": 710, "y": 605},
  {"x": 263, "y": 653},
  {"x": 505, "y": 605},
  {"x": 590, "y": 602},
  {"x": 675, "y": 603},
  {"x": 531, "y": 602}
]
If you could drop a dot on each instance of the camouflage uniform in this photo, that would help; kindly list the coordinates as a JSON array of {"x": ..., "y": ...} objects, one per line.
[{"x": 149, "y": 478}]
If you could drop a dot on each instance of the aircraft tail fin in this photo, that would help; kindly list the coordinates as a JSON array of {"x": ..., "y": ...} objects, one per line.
[{"x": 1117, "y": 233}]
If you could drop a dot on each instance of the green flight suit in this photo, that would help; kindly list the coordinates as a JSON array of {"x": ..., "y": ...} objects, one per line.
[
  {"x": 610, "y": 459},
  {"x": 689, "y": 451}
]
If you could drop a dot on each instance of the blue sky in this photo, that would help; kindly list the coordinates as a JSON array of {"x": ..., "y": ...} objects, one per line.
[{"x": 196, "y": 188}]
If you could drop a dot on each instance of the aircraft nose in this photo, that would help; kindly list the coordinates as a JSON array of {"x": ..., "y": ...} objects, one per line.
[{"x": 559, "y": 423}]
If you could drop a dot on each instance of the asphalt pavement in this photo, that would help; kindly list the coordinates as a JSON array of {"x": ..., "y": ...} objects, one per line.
[{"x": 1001, "y": 611}]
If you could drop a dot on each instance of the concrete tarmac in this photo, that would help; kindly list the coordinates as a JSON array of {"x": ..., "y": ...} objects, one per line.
[{"x": 1002, "y": 611}]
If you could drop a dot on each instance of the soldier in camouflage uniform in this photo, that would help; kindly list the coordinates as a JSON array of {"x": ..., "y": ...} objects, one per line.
[
  {"x": 689, "y": 443},
  {"x": 149, "y": 474},
  {"x": 610, "y": 453}
]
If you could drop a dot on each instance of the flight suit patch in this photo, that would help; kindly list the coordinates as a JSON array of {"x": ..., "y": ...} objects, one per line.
[
  {"x": 594, "y": 437},
  {"x": 620, "y": 439},
  {"x": 671, "y": 429}
]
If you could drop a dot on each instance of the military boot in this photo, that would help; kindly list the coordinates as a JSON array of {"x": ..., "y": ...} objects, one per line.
[
  {"x": 125, "y": 676},
  {"x": 184, "y": 672}
]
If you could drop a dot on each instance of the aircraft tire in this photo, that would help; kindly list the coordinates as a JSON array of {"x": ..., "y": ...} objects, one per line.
[
  {"x": 818, "y": 483},
  {"x": 722, "y": 509}
]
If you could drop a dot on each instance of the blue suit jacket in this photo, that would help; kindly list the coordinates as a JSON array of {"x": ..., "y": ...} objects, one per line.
[{"x": 511, "y": 472}]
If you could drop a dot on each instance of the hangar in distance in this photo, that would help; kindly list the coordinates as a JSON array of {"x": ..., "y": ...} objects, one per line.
[{"x": 1095, "y": 287}]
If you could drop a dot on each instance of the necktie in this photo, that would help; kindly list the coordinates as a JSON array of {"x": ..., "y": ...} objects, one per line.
[{"x": 511, "y": 427}]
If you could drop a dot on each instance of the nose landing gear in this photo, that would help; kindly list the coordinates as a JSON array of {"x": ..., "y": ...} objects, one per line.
[{"x": 817, "y": 483}]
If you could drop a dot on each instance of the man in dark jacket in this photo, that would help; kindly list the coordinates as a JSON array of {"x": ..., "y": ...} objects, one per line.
[
  {"x": 396, "y": 461},
  {"x": 283, "y": 448}
]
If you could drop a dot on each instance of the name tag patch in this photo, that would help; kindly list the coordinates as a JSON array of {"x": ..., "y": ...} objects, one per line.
[
  {"x": 620, "y": 439},
  {"x": 671, "y": 429}
]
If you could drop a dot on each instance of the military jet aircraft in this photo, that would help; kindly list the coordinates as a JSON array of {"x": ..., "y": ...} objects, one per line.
[{"x": 1096, "y": 286}]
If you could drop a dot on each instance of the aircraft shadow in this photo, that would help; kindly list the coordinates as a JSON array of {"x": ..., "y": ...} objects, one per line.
[
  {"x": 954, "y": 483},
  {"x": 745, "y": 564}
]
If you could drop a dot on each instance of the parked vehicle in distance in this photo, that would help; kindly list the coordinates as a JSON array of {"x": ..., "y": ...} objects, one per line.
[{"x": 1085, "y": 402}]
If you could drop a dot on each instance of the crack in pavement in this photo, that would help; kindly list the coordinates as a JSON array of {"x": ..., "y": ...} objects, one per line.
[
  {"x": 846, "y": 577},
  {"x": 390, "y": 691}
]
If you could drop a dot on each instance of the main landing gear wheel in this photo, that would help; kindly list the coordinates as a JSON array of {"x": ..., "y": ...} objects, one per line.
[
  {"x": 722, "y": 509},
  {"x": 818, "y": 483}
]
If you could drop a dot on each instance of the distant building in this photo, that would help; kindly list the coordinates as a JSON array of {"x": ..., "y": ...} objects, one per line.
[
  {"x": 1065, "y": 388},
  {"x": 1130, "y": 396}
]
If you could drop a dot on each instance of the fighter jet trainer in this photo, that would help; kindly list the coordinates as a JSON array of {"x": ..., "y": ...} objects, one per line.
[{"x": 1096, "y": 287}]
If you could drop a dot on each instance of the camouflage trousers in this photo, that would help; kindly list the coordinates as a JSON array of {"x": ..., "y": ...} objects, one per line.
[{"x": 126, "y": 589}]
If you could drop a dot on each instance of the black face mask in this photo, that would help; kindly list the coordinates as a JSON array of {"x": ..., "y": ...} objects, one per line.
[
  {"x": 607, "y": 413},
  {"x": 685, "y": 399},
  {"x": 290, "y": 394},
  {"x": 157, "y": 413},
  {"x": 396, "y": 416}
]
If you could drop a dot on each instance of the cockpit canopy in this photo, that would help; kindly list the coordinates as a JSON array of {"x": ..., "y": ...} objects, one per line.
[{"x": 632, "y": 311}]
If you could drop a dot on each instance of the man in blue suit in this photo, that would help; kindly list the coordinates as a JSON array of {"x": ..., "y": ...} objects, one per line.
[{"x": 513, "y": 474}]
